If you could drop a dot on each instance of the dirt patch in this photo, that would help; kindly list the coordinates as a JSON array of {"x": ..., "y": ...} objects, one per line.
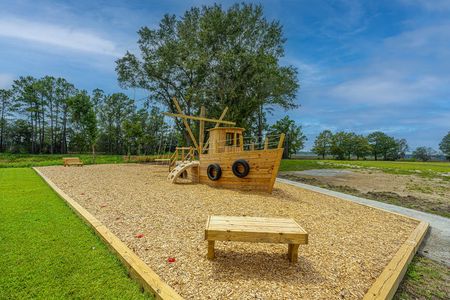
[
  {"x": 349, "y": 244},
  {"x": 425, "y": 194}
]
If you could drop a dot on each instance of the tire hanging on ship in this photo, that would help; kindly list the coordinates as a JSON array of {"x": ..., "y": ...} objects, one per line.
[
  {"x": 240, "y": 168},
  {"x": 214, "y": 172}
]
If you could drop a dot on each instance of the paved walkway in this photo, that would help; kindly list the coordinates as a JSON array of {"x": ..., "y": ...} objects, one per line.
[{"x": 436, "y": 244}]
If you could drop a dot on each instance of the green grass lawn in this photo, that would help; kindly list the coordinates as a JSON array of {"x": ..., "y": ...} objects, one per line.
[
  {"x": 427, "y": 169},
  {"x": 425, "y": 279},
  {"x": 47, "y": 252},
  {"x": 35, "y": 160}
]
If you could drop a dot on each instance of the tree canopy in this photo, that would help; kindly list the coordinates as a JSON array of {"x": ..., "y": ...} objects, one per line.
[
  {"x": 294, "y": 140},
  {"x": 214, "y": 57},
  {"x": 444, "y": 145}
]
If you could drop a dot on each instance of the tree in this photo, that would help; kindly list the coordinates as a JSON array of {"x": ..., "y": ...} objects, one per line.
[
  {"x": 402, "y": 148},
  {"x": 6, "y": 108},
  {"x": 382, "y": 144},
  {"x": 424, "y": 153},
  {"x": 83, "y": 116},
  {"x": 216, "y": 57},
  {"x": 294, "y": 139},
  {"x": 444, "y": 146},
  {"x": 114, "y": 110},
  {"x": 342, "y": 145},
  {"x": 361, "y": 147},
  {"x": 134, "y": 131},
  {"x": 322, "y": 144}
]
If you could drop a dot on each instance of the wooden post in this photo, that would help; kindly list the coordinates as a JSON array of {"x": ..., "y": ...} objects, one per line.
[
  {"x": 211, "y": 249},
  {"x": 280, "y": 143},
  {"x": 186, "y": 124},
  {"x": 293, "y": 252},
  {"x": 201, "y": 130},
  {"x": 241, "y": 147},
  {"x": 266, "y": 143}
]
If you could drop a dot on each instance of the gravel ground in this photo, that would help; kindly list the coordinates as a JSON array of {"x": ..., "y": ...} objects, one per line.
[{"x": 349, "y": 244}]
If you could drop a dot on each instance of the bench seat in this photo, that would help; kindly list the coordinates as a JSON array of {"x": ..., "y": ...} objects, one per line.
[
  {"x": 256, "y": 230},
  {"x": 72, "y": 161}
]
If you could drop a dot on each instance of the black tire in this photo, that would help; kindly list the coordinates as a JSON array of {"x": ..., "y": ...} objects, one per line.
[
  {"x": 214, "y": 172},
  {"x": 245, "y": 166}
]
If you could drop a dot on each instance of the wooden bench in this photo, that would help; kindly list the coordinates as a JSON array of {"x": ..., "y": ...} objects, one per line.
[
  {"x": 72, "y": 161},
  {"x": 257, "y": 230}
]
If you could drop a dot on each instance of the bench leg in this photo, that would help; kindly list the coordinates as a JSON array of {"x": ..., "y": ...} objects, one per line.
[
  {"x": 211, "y": 249},
  {"x": 293, "y": 252}
]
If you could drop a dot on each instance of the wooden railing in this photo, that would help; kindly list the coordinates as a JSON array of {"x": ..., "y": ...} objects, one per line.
[{"x": 183, "y": 154}]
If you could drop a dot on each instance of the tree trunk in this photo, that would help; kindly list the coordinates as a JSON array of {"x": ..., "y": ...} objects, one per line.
[
  {"x": 2, "y": 123},
  {"x": 260, "y": 124},
  {"x": 32, "y": 132},
  {"x": 64, "y": 132},
  {"x": 51, "y": 126},
  {"x": 93, "y": 153}
]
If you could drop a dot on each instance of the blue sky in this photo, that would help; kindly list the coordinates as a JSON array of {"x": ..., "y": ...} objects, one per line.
[{"x": 363, "y": 65}]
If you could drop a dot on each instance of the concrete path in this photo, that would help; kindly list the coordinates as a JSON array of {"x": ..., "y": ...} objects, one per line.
[{"x": 436, "y": 244}]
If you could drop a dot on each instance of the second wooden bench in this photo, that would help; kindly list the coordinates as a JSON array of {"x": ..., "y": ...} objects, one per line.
[{"x": 72, "y": 161}]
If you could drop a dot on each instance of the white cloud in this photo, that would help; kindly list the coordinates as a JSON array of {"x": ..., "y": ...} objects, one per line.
[
  {"x": 308, "y": 73},
  {"x": 386, "y": 88},
  {"x": 6, "y": 80},
  {"x": 57, "y": 35},
  {"x": 432, "y": 5}
]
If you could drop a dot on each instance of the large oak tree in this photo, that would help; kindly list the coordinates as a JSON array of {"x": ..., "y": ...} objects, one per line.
[{"x": 214, "y": 57}]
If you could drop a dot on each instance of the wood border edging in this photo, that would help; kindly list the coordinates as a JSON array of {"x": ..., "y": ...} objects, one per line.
[
  {"x": 137, "y": 268},
  {"x": 384, "y": 286},
  {"x": 387, "y": 283}
]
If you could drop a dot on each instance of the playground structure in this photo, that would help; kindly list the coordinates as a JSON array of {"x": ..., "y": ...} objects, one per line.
[{"x": 226, "y": 159}]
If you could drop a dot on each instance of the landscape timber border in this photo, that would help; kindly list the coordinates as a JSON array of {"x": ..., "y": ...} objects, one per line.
[{"x": 384, "y": 286}]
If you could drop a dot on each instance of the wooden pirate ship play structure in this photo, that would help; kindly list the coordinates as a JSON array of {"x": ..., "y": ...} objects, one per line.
[{"x": 227, "y": 159}]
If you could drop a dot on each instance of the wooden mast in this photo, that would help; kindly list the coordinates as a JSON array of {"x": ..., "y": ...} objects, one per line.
[{"x": 198, "y": 145}]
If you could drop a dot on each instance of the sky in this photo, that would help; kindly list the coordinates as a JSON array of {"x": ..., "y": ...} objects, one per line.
[{"x": 363, "y": 65}]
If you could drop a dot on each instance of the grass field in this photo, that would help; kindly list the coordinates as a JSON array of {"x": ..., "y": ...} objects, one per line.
[
  {"x": 425, "y": 279},
  {"x": 47, "y": 252},
  {"x": 36, "y": 160},
  {"x": 395, "y": 167}
]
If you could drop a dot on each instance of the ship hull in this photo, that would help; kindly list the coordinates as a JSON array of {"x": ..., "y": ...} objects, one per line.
[{"x": 264, "y": 165}]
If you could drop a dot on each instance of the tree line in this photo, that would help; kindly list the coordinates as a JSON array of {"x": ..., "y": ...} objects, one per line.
[
  {"x": 379, "y": 145},
  {"x": 50, "y": 115}
]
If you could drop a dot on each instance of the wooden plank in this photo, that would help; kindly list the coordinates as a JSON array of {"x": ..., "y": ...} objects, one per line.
[
  {"x": 281, "y": 141},
  {"x": 269, "y": 229},
  {"x": 201, "y": 133},
  {"x": 184, "y": 117},
  {"x": 277, "y": 166},
  {"x": 254, "y": 229},
  {"x": 257, "y": 237},
  {"x": 387, "y": 283},
  {"x": 138, "y": 269},
  {"x": 249, "y": 218},
  {"x": 186, "y": 124}
]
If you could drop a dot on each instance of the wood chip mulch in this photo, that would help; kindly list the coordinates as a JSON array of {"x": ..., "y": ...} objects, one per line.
[{"x": 349, "y": 244}]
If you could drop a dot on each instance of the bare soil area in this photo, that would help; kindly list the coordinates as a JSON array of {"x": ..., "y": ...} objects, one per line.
[
  {"x": 349, "y": 244},
  {"x": 425, "y": 194}
]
